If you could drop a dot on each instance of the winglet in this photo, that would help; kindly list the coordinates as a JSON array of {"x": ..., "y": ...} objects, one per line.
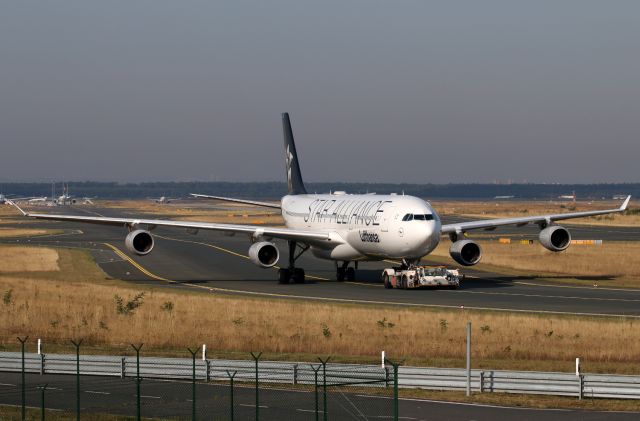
[
  {"x": 626, "y": 202},
  {"x": 12, "y": 203}
]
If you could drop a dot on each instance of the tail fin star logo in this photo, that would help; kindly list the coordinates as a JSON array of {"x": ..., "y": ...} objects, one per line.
[{"x": 289, "y": 158}]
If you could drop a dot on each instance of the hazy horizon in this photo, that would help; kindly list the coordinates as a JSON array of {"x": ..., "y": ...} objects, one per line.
[{"x": 381, "y": 92}]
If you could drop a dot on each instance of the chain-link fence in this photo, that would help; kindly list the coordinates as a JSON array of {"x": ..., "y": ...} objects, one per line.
[{"x": 75, "y": 386}]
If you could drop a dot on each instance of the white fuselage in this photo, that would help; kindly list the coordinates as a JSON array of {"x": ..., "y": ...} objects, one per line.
[{"x": 369, "y": 227}]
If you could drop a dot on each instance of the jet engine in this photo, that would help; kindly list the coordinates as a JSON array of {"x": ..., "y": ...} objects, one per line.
[
  {"x": 466, "y": 252},
  {"x": 264, "y": 254},
  {"x": 139, "y": 242},
  {"x": 555, "y": 238}
]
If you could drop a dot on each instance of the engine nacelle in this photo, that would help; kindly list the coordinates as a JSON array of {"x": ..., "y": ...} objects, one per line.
[
  {"x": 466, "y": 252},
  {"x": 139, "y": 242},
  {"x": 555, "y": 238},
  {"x": 264, "y": 254}
]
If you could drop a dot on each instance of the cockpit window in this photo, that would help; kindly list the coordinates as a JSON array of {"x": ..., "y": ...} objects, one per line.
[{"x": 418, "y": 217}]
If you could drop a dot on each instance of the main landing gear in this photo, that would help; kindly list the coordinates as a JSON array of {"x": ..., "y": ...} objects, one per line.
[
  {"x": 292, "y": 273},
  {"x": 346, "y": 273}
]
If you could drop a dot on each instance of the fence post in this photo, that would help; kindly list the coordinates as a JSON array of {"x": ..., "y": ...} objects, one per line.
[
  {"x": 468, "y": 358},
  {"x": 137, "y": 349},
  {"x": 256, "y": 357},
  {"x": 231, "y": 376},
  {"x": 396, "y": 409},
  {"x": 123, "y": 368},
  {"x": 581, "y": 386},
  {"x": 324, "y": 386},
  {"x": 315, "y": 377},
  {"x": 481, "y": 381},
  {"x": 77, "y": 345},
  {"x": 295, "y": 374},
  {"x": 42, "y": 389},
  {"x": 42, "y": 357},
  {"x": 207, "y": 365},
  {"x": 193, "y": 384},
  {"x": 24, "y": 414}
]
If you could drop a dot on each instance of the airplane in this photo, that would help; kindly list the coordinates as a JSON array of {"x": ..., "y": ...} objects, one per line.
[
  {"x": 6, "y": 199},
  {"x": 65, "y": 198},
  {"x": 571, "y": 196},
  {"x": 164, "y": 200},
  {"x": 341, "y": 227}
]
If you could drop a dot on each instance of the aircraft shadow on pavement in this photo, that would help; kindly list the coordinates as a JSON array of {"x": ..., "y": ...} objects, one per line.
[{"x": 374, "y": 277}]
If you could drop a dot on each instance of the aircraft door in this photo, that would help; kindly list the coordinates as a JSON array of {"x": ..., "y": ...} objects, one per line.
[{"x": 387, "y": 215}]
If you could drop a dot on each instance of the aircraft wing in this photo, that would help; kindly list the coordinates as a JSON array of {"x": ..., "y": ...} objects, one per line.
[
  {"x": 490, "y": 224},
  {"x": 133, "y": 223},
  {"x": 231, "y": 199}
]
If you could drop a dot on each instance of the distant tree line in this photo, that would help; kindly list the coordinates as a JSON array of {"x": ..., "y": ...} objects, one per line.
[{"x": 271, "y": 190}]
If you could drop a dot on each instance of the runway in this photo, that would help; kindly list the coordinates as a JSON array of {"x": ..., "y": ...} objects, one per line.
[{"x": 211, "y": 262}]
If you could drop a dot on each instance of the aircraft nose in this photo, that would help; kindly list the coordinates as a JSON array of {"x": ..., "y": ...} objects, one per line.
[{"x": 429, "y": 236}]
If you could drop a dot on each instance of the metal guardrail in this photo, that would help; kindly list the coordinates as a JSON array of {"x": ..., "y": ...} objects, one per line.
[{"x": 483, "y": 381}]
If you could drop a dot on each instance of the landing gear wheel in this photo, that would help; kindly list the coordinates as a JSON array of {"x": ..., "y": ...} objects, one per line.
[
  {"x": 283, "y": 276},
  {"x": 298, "y": 276},
  {"x": 405, "y": 282},
  {"x": 385, "y": 281},
  {"x": 340, "y": 275},
  {"x": 351, "y": 274}
]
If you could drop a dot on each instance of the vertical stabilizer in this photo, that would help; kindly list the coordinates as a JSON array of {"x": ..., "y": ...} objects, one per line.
[{"x": 294, "y": 177}]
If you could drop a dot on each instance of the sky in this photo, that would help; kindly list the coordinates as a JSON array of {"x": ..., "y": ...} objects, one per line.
[{"x": 378, "y": 91}]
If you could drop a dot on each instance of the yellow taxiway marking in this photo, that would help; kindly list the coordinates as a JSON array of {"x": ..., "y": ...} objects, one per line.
[
  {"x": 207, "y": 245},
  {"x": 364, "y": 285},
  {"x": 136, "y": 264},
  {"x": 230, "y": 252}
]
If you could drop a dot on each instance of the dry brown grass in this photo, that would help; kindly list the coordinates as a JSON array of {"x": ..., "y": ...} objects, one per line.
[
  {"x": 506, "y": 209},
  {"x": 21, "y": 232},
  {"x": 615, "y": 259},
  {"x": 28, "y": 259},
  {"x": 58, "y": 309},
  {"x": 525, "y": 401}
]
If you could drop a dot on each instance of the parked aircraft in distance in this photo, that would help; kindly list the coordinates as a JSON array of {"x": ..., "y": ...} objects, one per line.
[
  {"x": 342, "y": 227},
  {"x": 7, "y": 199},
  {"x": 571, "y": 196},
  {"x": 503, "y": 197},
  {"x": 65, "y": 198},
  {"x": 164, "y": 200}
]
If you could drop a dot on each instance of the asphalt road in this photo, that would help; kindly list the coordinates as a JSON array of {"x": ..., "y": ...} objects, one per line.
[
  {"x": 174, "y": 399},
  {"x": 213, "y": 262}
]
